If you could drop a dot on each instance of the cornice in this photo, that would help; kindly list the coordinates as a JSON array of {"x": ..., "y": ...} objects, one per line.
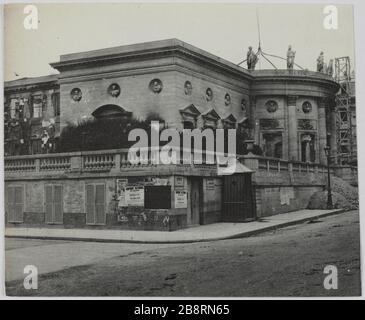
[{"x": 197, "y": 56}]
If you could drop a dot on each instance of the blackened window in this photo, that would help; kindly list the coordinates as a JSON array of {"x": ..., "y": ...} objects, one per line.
[
  {"x": 56, "y": 103},
  {"x": 157, "y": 197}
]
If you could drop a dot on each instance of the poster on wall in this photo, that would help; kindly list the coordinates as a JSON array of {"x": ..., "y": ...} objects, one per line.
[
  {"x": 179, "y": 181},
  {"x": 210, "y": 184},
  {"x": 121, "y": 184},
  {"x": 134, "y": 196},
  {"x": 160, "y": 181},
  {"x": 181, "y": 199}
]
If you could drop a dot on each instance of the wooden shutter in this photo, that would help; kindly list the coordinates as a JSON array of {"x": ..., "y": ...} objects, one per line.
[
  {"x": 53, "y": 204},
  {"x": 90, "y": 204},
  {"x": 15, "y": 203},
  {"x": 10, "y": 203},
  {"x": 48, "y": 203},
  {"x": 57, "y": 204},
  {"x": 18, "y": 203},
  {"x": 95, "y": 203},
  {"x": 100, "y": 204}
]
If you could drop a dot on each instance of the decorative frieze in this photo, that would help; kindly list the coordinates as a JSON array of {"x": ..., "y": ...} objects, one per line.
[
  {"x": 271, "y": 124},
  {"x": 307, "y": 124}
]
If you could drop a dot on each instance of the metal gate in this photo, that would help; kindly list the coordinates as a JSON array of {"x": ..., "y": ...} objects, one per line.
[{"x": 238, "y": 198}]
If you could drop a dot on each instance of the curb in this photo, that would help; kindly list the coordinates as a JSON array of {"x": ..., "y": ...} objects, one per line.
[{"x": 245, "y": 234}]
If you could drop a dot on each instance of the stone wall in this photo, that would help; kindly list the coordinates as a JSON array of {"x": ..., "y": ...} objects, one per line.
[
  {"x": 283, "y": 186},
  {"x": 280, "y": 186},
  {"x": 73, "y": 173},
  {"x": 137, "y": 97},
  {"x": 74, "y": 205}
]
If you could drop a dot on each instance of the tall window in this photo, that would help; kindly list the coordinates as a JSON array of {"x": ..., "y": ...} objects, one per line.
[
  {"x": 56, "y": 103},
  {"x": 14, "y": 106},
  {"x": 273, "y": 144},
  {"x": 37, "y": 106}
]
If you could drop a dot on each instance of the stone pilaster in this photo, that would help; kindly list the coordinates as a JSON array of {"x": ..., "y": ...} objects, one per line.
[
  {"x": 293, "y": 144},
  {"x": 322, "y": 130},
  {"x": 49, "y": 112},
  {"x": 255, "y": 129}
]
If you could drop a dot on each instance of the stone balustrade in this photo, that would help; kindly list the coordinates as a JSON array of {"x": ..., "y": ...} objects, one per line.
[
  {"x": 260, "y": 163},
  {"x": 286, "y": 72},
  {"x": 119, "y": 159}
]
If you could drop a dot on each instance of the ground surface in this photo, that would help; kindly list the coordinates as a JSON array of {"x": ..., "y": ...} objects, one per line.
[{"x": 288, "y": 262}]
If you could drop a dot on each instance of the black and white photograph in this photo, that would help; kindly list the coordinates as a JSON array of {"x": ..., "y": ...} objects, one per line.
[{"x": 180, "y": 150}]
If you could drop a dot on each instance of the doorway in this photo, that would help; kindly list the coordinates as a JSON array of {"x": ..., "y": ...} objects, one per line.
[
  {"x": 196, "y": 200},
  {"x": 238, "y": 200}
]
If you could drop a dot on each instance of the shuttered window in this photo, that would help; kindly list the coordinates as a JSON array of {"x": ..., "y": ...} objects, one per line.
[
  {"x": 53, "y": 204},
  {"x": 15, "y": 203},
  {"x": 95, "y": 203}
]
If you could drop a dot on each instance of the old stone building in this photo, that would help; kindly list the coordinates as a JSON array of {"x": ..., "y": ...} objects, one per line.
[{"x": 288, "y": 114}]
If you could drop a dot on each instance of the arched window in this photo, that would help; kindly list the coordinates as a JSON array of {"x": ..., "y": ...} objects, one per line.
[{"x": 111, "y": 111}]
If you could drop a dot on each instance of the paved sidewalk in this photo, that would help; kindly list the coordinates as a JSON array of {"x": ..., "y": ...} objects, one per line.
[{"x": 211, "y": 232}]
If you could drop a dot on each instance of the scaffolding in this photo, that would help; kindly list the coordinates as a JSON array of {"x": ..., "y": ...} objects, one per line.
[{"x": 345, "y": 111}]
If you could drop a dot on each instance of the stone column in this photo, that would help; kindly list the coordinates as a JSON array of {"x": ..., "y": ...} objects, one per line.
[
  {"x": 322, "y": 130},
  {"x": 333, "y": 131},
  {"x": 293, "y": 143}
]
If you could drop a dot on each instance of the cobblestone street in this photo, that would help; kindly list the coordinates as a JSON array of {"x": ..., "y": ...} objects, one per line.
[{"x": 286, "y": 262}]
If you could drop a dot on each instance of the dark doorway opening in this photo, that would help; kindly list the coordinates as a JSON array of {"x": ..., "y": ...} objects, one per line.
[{"x": 238, "y": 198}]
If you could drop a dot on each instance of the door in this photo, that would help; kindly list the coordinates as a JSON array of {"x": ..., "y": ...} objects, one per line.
[
  {"x": 238, "y": 200},
  {"x": 195, "y": 201}
]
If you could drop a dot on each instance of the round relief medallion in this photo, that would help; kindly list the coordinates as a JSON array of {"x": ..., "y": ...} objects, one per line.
[
  {"x": 243, "y": 104},
  {"x": 76, "y": 94},
  {"x": 271, "y": 106},
  {"x": 114, "y": 90},
  {"x": 306, "y": 107},
  {"x": 227, "y": 99},
  {"x": 188, "y": 88},
  {"x": 156, "y": 85},
  {"x": 209, "y": 94}
]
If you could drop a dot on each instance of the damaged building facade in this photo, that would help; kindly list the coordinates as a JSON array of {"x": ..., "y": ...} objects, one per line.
[{"x": 288, "y": 114}]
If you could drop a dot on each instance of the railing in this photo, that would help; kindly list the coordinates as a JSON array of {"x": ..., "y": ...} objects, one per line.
[
  {"x": 260, "y": 163},
  {"x": 106, "y": 160},
  {"x": 54, "y": 163},
  {"x": 20, "y": 165},
  {"x": 97, "y": 161},
  {"x": 297, "y": 73}
]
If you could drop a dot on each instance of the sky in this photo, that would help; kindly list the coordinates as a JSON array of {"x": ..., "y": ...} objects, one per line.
[{"x": 225, "y": 30}]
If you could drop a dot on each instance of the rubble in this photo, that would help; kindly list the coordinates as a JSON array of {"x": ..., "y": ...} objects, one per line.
[{"x": 344, "y": 196}]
